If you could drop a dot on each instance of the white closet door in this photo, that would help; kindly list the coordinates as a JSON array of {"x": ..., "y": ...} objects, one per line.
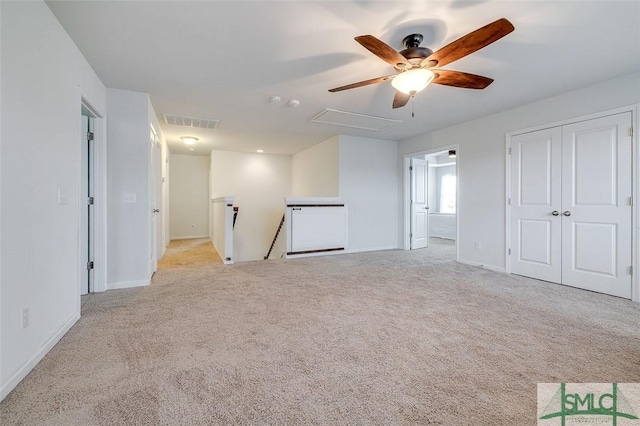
[
  {"x": 536, "y": 204},
  {"x": 596, "y": 205}
]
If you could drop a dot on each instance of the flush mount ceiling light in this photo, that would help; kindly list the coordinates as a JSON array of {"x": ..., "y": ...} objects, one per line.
[
  {"x": 189, "y": 140},
  {"x": 452, "y": 153},
  {"x": 259, "y": 151},
  {"x": 412, "y": 81}
]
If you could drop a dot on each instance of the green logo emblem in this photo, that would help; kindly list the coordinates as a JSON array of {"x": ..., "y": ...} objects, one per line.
[{"x": 611, "y": 404}]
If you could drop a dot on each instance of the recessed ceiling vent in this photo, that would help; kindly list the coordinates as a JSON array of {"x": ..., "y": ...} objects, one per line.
[
  {"x": 353, "y": 120},
  {"x": 182, "y": 120}
]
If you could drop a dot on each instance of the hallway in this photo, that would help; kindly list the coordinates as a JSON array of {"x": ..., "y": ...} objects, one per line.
[{"x": 189, "y": 253}]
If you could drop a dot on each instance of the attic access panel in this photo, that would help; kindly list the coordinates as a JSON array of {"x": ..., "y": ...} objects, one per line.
[{"x": 354, "y": 120}]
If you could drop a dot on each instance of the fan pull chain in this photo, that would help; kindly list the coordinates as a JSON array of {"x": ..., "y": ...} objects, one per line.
[{"x": 413, "y": 106}]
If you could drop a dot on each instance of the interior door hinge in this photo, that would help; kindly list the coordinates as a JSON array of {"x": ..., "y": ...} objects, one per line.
[
  {"x": 631, "y": 201},
  {"x": 509, "y": 151},
  {"x": 631, "y": 269},
  {"x": 410, "y": 168},
  {"x": 89, "y": 265},
  {"x": 90, "y": 201},
  {"x": 89, "y": 136},
  {"x": 509, "y": 252},
  {"x": 509, "y": 201},
  {"x": 410, "y": 235},
  {"x": 631, "y": 131}
]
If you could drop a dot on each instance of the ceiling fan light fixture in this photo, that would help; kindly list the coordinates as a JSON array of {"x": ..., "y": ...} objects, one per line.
[
  {"x": 412, "y": 81},
  {"x": 189, "y": 140}
]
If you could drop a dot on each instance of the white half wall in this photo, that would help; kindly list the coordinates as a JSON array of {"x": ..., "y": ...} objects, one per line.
[
  {"x": 369, "y": 189},
  {"x": 481, "y": 159},
  {"x": 44, "y": 77},
  {"x": 189, "y": 188},
  {"x": 315, "y": 171},
  {"x": 259, "y": 183}
]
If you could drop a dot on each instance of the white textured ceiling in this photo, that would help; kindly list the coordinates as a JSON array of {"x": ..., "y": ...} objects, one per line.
[{"x": 224, "y": 59}]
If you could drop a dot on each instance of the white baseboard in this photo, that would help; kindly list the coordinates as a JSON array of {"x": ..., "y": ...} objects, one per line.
[
  {"x": 26, "y": 368},
  {"x": 334, "y": 253},
  {"x": 189, "y": 237},
  {"x": 481, "y": 265},
  {"x": 127, "y": 284},
  {"x": 364, "y": 250}
]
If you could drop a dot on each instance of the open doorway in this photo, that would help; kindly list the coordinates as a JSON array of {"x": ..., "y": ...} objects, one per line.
[{"x": 431, "y": 200}]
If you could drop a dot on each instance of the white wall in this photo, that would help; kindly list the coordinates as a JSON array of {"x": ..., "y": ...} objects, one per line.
[
  {"x": 128, "y": 135},
  {"x": 43, "y": 79},
  {"x": 315, "y": 171},
  {"x": 481, "y": 159},
  {"x": 189, "y": 196},
  {"x": 259, "y": 182},
  {"x": 369, "y": 188}
]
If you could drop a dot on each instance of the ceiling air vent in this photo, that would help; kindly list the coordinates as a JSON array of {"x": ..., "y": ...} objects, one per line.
[
  {"x": 354, "y": 120},
  {"x": 182, "y": 120}
]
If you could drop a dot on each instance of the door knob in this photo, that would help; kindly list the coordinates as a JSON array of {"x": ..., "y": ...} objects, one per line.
[
  {"x": 426, "y": 208},
  {"x": 555, "y": 212},
  {"x": 566, "y": 213}
]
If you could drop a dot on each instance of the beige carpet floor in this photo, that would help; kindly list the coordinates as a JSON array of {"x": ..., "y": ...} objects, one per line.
[
  {"x": 392, "y": 337},
  {"x": 189, "y": 253}
]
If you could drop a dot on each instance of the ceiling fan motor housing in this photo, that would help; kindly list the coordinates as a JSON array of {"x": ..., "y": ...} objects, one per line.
[{"x": 413, "y": 49}]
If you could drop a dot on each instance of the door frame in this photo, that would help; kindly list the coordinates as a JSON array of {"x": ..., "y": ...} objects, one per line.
[
  {"x": 100, "y": 206},
  {"x": 635, "y": 184},
  {"x": 406, "y": 200}
]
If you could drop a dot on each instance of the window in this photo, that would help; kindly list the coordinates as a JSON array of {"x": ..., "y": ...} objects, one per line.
[{"x": 448, "y": 194}]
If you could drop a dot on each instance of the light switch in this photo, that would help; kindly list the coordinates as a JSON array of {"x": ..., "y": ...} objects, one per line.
[
  {"x": 62, "y": 196},
  {"x": 130, "y": 197}
]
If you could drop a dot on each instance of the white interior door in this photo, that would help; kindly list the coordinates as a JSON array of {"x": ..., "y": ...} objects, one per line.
[
  {"x": 419, "y": 203},
  {"x": 596, "y": 204},
  {"x": 536, "y": 204}
]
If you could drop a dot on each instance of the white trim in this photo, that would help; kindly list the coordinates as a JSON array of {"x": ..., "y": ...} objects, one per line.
[
  {"x": 635, "y": 213},
  {"x": 635, "y": 182},
  {"x": 406, "y": 199},
  {"x": 128, "y": 284},
  {"x": 100, "y": 207},
  {"x": 507, "y": 217},
  {"x": 482, "y": 265},
  {"x": 365, "y": 250},
  {"x": 189, "y": 237},
  {"x": 574, "y": 120},
  {"x": 26, "y": 368},
  {"x": 336, "y": 252}
]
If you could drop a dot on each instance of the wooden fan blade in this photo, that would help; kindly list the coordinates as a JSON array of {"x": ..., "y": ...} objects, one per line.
[
  {"x": 461, "y": 79},
  {"x": 383, "y": 51},
  {"x": 400, "y": 99},
  {"x": 469, "y": 43},
  {"x": 362, "y": 83}
]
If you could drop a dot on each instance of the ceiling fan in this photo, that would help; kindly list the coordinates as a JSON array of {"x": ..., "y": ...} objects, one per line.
[{"x": 417, "y": 66}]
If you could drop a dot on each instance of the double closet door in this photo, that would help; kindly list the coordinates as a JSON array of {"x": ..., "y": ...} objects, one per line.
[{"x": 571, "y": 204}]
